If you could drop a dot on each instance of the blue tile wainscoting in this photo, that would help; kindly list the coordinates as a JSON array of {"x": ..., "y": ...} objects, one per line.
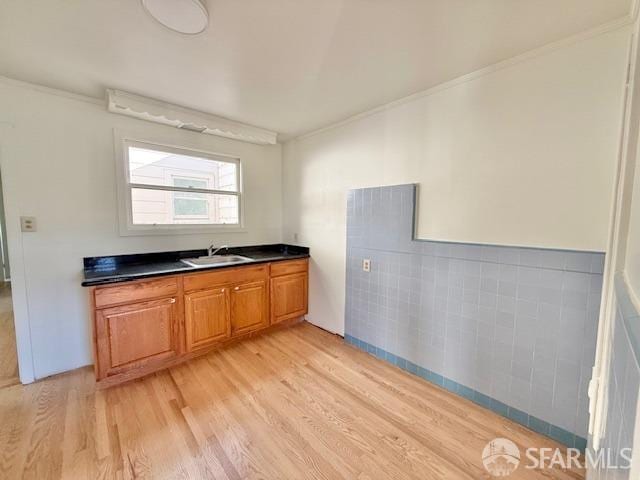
[
  {"x": 624, "y": 380},
  {"x": 513, "y": 329}
]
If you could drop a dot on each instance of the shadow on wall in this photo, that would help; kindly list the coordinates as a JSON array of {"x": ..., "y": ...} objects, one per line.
[{"x": 511, "y": 328}]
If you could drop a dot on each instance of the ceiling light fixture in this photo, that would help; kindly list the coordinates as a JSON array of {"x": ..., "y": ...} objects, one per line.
[{"x": 184, "y": 16}]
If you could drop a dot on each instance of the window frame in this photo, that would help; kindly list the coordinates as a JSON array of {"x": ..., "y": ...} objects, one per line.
[{"x": 125, "y": 186}]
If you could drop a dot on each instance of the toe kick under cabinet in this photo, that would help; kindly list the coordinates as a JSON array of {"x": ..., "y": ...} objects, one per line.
[{"x": 147, "y": 325}]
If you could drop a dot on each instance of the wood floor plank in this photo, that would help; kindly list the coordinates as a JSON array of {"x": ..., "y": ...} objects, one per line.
[
  {"x": 300, "y": 426},
  {"x": 296, "y": 403},
  {"x": 436, "y": 402},
  {"x": 8, "y": 352},
  {"x": 363, "y": 394},
  {"x": 369, "y": 436},
  {"x": 233, "y": 428}
]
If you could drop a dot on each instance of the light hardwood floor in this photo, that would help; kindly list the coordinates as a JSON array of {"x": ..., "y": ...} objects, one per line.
[
  {"x": 292, "y": 404},
  {"x": 8, "y": 358}
]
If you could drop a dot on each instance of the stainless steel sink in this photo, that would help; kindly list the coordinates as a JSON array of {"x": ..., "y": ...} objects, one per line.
[{"x": 215, "y": 260}]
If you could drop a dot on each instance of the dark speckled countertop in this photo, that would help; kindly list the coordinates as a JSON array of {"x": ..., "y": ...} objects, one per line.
[{"x": 124, "y": 268}]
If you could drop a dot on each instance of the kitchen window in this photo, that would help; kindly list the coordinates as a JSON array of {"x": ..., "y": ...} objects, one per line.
[{"x": 168, "y": 189}]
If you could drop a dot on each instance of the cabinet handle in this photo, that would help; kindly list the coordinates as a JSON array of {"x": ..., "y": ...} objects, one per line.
[
  {"x": 173, "y": 300},
  {"x": 237, "y": 288},
  {"x": 222, "y": 290}
]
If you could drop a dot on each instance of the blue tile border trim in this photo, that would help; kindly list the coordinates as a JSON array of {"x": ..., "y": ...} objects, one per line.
[{"x": 539, "y": 426}]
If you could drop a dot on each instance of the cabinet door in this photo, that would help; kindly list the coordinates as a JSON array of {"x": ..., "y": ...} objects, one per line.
[
  {"x": 136, "y": 335},
  {"x": 249, "y": 307},
  {"x": 207, "y": 317},
  {"x": 288, "y": 297}
]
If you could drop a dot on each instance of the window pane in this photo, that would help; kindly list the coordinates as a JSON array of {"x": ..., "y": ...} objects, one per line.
[
  {"x": 187, "y": 204},
  {"x": 188, "y": 207},
  {"x": 159, "y": 207},
  {"x": 153, "y": 167}
]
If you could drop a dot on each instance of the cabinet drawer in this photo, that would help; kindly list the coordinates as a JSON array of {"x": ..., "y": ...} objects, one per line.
[
  {"x": 199, "y": 281},
  {"x": 133, "y": 292},
  {"x": 289, "y": 266}
]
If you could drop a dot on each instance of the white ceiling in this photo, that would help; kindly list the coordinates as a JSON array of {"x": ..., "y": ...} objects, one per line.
[{"x": 287, "y": 65}]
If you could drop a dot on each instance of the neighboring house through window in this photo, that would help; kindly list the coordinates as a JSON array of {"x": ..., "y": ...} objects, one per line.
[
  {"x": 177, "y": 189},
  {"x": 187, "y": 204}
]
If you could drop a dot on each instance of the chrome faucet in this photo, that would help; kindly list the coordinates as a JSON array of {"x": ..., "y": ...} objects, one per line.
[{"x": 212, "y": 250}]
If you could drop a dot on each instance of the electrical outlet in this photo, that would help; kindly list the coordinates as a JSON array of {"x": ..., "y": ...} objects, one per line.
[
  {"x": 366, "y": 265},
  {"x": 28, "y": 224},
  {"x": 295, "y": 237}
]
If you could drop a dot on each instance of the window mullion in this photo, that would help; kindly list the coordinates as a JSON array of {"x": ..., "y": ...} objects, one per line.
[{"x": 171, "y": 188}]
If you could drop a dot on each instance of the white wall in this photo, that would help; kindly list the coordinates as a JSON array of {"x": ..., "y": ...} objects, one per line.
[
  {"x": 57, "y": 161},
  {"x": 523, "y": 155}
]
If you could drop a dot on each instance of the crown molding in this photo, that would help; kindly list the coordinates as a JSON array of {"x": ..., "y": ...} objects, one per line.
[
  {"x": 13, "y": 82},
  {"x": 160, "y": 112},
  {"x": 151, "y": 110},
  {"x": 545, "y": 49}
]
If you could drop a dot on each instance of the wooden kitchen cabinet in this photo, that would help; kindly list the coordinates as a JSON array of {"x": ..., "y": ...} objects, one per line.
[
  {"x": 136, "y": 336},
  {"x": 146, "y": 325},
  {"x": 207, "y": 318},
  {"x": 289, "y": 289},
  {"x": 249, "y": 307},
  {"x": 288, "y": 297}
]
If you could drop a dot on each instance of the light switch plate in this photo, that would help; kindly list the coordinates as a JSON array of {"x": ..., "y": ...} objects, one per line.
[
  {"x": 28, "y": 224},
  {"x": 366, "y": 265}
]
